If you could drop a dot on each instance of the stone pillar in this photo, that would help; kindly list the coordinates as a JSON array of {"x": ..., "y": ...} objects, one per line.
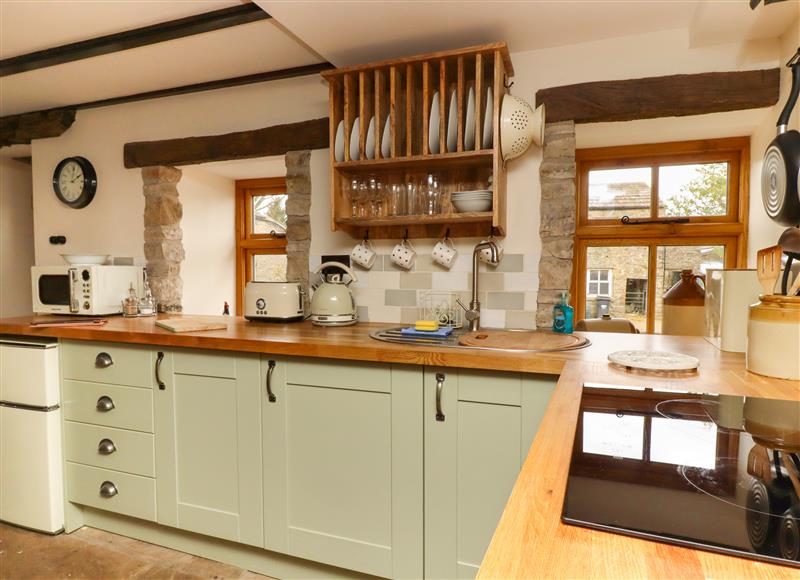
[
  {"x": 558, "y": 215},
  {"x": 298, "y": 208},
  {"x": 163, "y": 246}
]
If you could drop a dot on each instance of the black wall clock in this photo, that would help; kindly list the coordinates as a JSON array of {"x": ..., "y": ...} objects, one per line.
[{"x": 75, "y": 182}]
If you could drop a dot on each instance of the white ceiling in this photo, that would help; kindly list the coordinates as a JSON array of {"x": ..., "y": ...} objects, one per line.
[
  {"x": 230, "y": 52},
  {"x": 366, "y": 31}
]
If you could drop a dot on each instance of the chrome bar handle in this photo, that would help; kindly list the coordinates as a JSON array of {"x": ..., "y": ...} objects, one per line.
[
  {"x": 106, "y": 447},
  {"x": 105, "y": 404},
  {"x": 159, "y": 360},
  {"x": 103, "y": 360},
  {"x": 270, "y": 369},
  {"x": 439, "y": 387},
  {"x": 108, "y": 489}
]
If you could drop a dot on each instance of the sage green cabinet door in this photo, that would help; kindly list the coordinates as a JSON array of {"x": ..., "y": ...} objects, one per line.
[
  {"x": 208, "y": 445},
  {"x": 472, "y": 458},
  {"x": 343, "y": 479}
]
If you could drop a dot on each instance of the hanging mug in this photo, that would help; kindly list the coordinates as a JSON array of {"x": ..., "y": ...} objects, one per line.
[
  {"x": 404, "y": 255},
  {"x": 444, "y": 253},
  {"x": 363, "y": 254}
]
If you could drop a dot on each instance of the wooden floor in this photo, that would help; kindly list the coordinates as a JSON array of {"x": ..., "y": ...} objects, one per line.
[{"x": 94, "y": 554}]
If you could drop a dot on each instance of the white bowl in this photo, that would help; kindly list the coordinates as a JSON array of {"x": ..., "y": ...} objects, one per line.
[
  {"x": 86, "y": 258},
  {"x": 471, "y": 205}
]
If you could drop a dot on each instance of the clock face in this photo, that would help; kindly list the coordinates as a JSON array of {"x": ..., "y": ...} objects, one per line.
[
  {"x": 75, "y": 182},
  {"x": 70, "y": 182}
]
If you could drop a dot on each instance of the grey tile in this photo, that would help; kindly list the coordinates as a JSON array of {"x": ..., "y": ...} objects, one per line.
[
  {"x": 425, "y": 263},
  {"x": 521, "y": 319},
  {"x": 506, "y": 300},
  {"x": 409, "y": 315},
  {"x": 489, "y": 281},
  {"x": 363, "y": 312},
  {"x": 416, "y": 280},
  {"x": 401, "y": 298},
  {"x": 511, "y": 263}
]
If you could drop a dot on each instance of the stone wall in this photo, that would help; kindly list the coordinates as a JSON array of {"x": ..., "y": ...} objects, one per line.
[
  {"x": 163, "y": 237},
  {"x": 558, "y": 214},
  {"x": 298, "y": 208}
]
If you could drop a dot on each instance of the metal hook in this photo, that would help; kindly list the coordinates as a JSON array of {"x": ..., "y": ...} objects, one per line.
[
  {"x": 447, "y": 234},
  {"x": 795, "y": 59},
  {"x": 366, "y": 235},
  {"x": 507, "y": 84},
  {"x": 405, "y": 236}
]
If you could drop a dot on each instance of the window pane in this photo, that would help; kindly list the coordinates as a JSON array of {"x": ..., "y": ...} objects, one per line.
[
  {"x": 614, "y": 193},
  {"x": 269, "y": 267},
  {"x": 699, "y": 189},
  {"x": 670, "y": 260},
  {"x": 269, "y": 214},
  {"x": 624, "y": 295}
]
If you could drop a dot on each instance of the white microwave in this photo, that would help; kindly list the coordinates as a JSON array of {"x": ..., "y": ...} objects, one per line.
[{"x": 90, "y": 290}]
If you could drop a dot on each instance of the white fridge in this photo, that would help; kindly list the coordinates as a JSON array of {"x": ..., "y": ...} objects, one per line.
[{"x": 31, "y": 482}]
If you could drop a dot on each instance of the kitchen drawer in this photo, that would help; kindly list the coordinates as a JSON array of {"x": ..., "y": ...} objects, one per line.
[
  {"x": 132, "y": 406},
  {"x": 130, "y": 451},
  {"x": 339, "y": 374},
  {"x": 136, "y": 495},
  {"x": 129, "y": 365}
]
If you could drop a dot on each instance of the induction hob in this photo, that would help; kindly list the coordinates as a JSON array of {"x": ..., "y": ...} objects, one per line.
[{"x": 708, "y": 471}]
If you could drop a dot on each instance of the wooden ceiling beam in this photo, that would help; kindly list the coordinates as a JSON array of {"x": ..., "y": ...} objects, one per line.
[
  {"x": 274, "y": 140},
  {"x": 666, "y": 96},
  {"x": 20, "y": 129},
  {"x": 171, "y": 30}
]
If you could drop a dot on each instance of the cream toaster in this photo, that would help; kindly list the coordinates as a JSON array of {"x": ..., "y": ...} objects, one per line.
[{"x": 275, "y": 301}]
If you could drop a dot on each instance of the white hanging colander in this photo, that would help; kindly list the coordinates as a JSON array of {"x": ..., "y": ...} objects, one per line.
[{"x": 520, "y": 126}]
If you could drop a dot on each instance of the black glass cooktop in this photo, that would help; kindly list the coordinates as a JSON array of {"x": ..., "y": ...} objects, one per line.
[{"x": 709, "y": 471}]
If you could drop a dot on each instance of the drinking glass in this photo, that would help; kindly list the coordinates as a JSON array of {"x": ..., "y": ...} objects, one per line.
[
  {"x": 363, "y": 198},
  {"x": 352, "y": 196}
]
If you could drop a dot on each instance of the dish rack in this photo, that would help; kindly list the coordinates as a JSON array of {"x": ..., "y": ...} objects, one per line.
[
  {"x": 441, "y": 307},
  {"x": 395, "y": 119}
]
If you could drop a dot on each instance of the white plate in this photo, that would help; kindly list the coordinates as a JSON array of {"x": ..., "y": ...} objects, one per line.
[
  {"x": 86, "y": 258},
  {"x": 469, "y": 130},
  {"x": 355, "y": 155},
  {"x": 338, "y": 146},
  {"x": 369, "y": 144},
  {"x": 433, "y": 125},
  {"x": 653, "y": 360},
  {"x": 452, "y": 123},
  {"x": 488, "y": 117},
  {"x": 386, "y": 140}
]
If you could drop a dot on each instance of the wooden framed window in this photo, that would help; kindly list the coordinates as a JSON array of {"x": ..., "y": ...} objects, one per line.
[
  {"x": 260, "y": 233},
  {"x": 645, "y": 212}
]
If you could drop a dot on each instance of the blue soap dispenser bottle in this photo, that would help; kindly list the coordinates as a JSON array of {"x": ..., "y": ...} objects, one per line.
[{"x": 563, "y": 315}]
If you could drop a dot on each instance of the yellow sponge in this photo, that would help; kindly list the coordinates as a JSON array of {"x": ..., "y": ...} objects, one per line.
[{"x": 426, "y": 325}]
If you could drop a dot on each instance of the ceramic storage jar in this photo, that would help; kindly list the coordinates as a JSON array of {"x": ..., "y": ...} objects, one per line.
[{"x": 773, "y": 337}]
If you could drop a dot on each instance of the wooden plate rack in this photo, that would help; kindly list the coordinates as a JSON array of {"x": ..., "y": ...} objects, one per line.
[{"x": 400, "y": 92}]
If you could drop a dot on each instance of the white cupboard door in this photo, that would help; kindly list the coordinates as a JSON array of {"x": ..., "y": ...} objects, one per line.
[
  {"x": 29, "y": 375},
  {"x": 477, "y": 436},
  {"x": 343, "y": 465},
  {"x": 31, "y": 481},
  {"x": 208, "y": 445}
]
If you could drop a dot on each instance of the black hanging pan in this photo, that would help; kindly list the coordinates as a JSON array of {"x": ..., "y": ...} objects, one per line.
[{"x": 781, "y": 171}]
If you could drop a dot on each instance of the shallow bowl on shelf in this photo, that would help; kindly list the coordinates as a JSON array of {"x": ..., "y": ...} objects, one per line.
[
  {"x": 86, "y": 258},
  {"x": 472, "y": 205}
]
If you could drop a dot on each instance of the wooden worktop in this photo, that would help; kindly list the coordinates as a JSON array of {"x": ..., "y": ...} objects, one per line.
[{"x": 530, "y": 540}]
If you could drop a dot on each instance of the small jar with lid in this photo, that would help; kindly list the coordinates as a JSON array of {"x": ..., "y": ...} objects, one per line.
[{"x": 773, "y": 337}]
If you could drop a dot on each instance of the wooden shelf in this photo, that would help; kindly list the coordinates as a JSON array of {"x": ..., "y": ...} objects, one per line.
[
  {"x": 424, "y": 162},
  {"x": 473, "y": 224},
  {"x": 402, "y": 93}
]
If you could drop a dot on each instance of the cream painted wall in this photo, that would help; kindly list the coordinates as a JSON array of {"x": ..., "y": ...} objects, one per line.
[
  {"x": 209, "y": 269},
  {"x": 16, "y": 237},
  {"x": 763, "y": 231},
  {"x": 113, "y": 223}
]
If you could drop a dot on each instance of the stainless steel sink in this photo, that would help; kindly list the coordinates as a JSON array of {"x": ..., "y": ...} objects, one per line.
[{"x": 395, "y": 335}]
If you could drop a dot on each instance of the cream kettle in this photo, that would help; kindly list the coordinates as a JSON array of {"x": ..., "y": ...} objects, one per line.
[{"x": 332, "y": 303}]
